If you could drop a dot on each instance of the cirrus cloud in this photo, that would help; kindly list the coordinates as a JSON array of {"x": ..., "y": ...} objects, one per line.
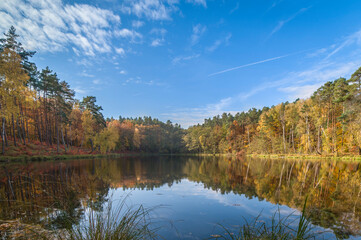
[{"x": 51, "y": 25}]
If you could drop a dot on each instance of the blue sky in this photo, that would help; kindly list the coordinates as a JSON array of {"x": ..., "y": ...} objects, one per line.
[{"x": 186, "y": 60}]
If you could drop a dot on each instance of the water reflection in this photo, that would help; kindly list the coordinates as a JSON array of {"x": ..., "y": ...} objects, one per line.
[{"x": 50, "y": 193}]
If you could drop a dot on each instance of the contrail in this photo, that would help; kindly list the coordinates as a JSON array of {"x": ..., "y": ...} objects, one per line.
[{"x": 255, "y": 63}]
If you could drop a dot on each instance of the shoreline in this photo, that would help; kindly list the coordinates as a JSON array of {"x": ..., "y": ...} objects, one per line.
[
  {"x": 42, "y": 158},
  {"x": 306, "y": 157}
]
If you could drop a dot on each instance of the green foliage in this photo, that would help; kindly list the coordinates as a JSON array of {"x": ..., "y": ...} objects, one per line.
[
  {"x": 120, "y": 223},
  {"x": 327, "y": 123},
  {"x": 279, "y": 229},
  {"x": 35, "y": 105}
]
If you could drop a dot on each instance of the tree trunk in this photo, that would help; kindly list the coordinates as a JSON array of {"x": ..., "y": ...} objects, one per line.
[
  {"x": 22, "y": 125},
  {"x": 319, "y": 141},
  {"x": 308, "y": 135},
  {"x": 91, "y": 144},
  {"x": 22, "y": 131},
  {"x": 62, "y": 137},
  {"x": 293, "y": 142},
  {"x": 3, "y": 136},
  {"x": 66, "y": 138},
  {"x": 42, "y": 130},
  {"x": 38, "y": 125},
  {"x": 71, "y": 140},
  {"x": 6, "y": 136},
  {"x": 57, "y": 136},
  {"x": 12, "y": 119},
  {"x": 284, "y": 137},
  {"x": 249, "y": 141},
  {"x": 27, "y": 127}
]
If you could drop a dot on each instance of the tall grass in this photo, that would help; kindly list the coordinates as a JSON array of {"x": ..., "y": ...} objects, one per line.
[
  {"x": 122, "y": 222},
  {"x": 280, "y": 229},
  {"x": 119, "y": 223}
]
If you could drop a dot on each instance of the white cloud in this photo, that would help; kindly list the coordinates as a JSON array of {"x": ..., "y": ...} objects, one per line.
[
  {"x": 191, "y": 116},
  {"x": 84, "y": 62},
  {"x": 198, "y": 31},
  {"x": 81, "y": 91},
  {"x": 353, "y": 38},
  {"x": 155, "y": 9},
  {"x": 219, "y": 42},
  {"x": 323, "y": 72},
  {"x": 137, "y": 24},
  {"x": 295, "y": 84},
  {"x": 123, "y": 72},
  {"x": 96, "y": 81},
  {"x": 126, "y": 33},
  {"x": 235, "y": 8},
  {"x": 157, "y": 42},
  {"x": 51, "y": 25},
  {"x": 184, "y": 58},
  {"x": 299, "y": 84},
  {"x": 151, "y": 9},
  {"x": 317, "y": 53},
  {"x": 139, "y": 81},
  {"x": 160, "y": 33},
  {"x": 253, "y": 63},
  {"x": 305, "y": 83},
  {"x": 120, "y": 51},
  {"x": 283, "y": 22},
  {"x": 300, "y": 91},
  {"x": 85, "y": 74},
  {"x": 198, "y": 2}
]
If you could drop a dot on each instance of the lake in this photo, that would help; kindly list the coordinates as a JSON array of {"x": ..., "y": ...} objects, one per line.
[{"x": 190, "y": 197}]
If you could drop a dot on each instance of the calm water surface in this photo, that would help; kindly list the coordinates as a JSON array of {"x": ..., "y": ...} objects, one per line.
[{"x": 191, "y": 195}]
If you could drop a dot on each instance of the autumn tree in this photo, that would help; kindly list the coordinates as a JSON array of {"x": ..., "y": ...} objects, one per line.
[{"x": 13, "y": 81}]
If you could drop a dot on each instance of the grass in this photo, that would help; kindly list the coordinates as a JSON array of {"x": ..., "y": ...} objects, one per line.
[
  {"x": 125, "y": 223},
  {"x": 280, "y": 229},
  {"x": 121, "y": 223}
]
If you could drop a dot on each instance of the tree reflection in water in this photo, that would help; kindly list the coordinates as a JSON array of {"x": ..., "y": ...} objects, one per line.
[{"x": 52, "y": 193}]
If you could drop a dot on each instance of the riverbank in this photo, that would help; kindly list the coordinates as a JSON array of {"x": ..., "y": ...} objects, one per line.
[
  {"x": 42, "y": 152},
  {"x": 22, "y": 158},
  {"x": 306, "y": 157}
]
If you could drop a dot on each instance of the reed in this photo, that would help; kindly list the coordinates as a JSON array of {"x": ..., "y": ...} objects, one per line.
[
  {"x": 121, "y": 222},
  {"x": 279, "y": 229}
]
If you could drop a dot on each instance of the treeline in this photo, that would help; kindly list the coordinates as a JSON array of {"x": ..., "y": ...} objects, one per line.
[
  {"x": 329, "y": 122},
  {"x": 36, "y": 106},
  {"x": 148, "y": 135}
]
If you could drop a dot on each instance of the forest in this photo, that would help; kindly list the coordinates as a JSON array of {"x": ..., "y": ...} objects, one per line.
[
  {"x": 38, "y": 108},
  {"x": 327, "y": 123}
]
